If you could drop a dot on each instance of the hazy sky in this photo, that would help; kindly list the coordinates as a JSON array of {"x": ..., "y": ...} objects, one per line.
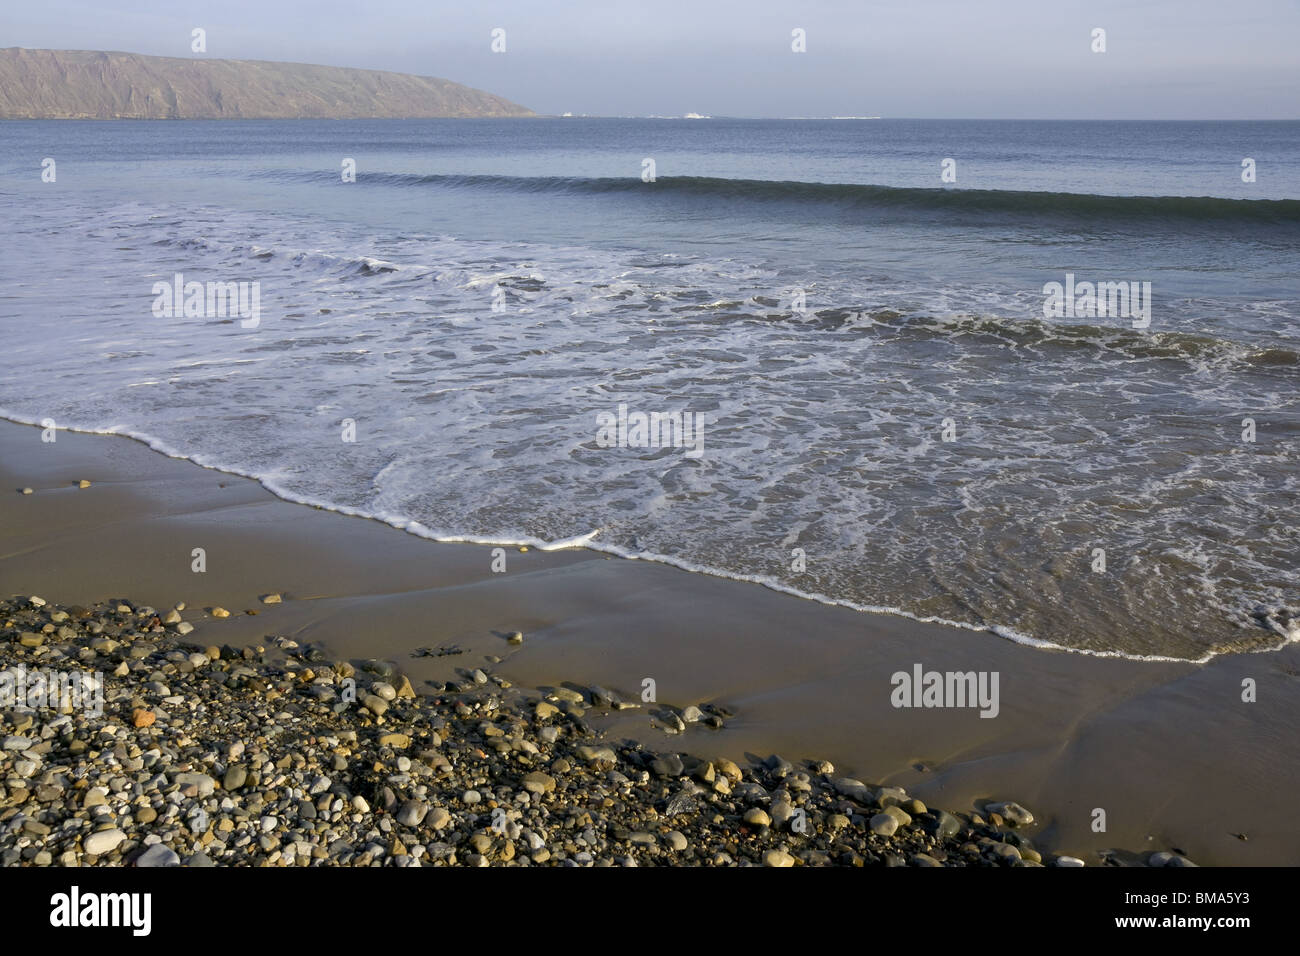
[{"x": 1166, "y": 59}]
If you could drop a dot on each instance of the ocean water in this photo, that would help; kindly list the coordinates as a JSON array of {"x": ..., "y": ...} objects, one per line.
[{"x": 889, "y": 418}]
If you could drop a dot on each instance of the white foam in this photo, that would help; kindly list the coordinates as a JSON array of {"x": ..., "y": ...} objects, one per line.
[{"x": 588, "y": 542}]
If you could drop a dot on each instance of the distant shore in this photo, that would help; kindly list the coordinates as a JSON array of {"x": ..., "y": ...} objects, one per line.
[{"x": 1169, "y": 752}]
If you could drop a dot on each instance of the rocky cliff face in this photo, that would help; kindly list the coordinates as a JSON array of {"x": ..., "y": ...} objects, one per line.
[{"x": 79, "y": 84}]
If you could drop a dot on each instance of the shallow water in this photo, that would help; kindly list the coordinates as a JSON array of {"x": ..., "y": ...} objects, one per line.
[{"x": 824, "y": 426}]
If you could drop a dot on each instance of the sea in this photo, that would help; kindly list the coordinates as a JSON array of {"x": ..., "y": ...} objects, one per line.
[{"x": 1038, "y": 379}]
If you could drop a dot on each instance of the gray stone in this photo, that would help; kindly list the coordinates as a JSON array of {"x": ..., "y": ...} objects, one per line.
[
  {"x": 537, "y": 782},
  {"x": 412, "y": 813},
  {"x": 205, "y": 784},
  {"x": 882, "y": 824},
  {"x": 103, "y": 841},
  {"x": 158, "y": 855},
  {"x": 1013, "y": 813}
]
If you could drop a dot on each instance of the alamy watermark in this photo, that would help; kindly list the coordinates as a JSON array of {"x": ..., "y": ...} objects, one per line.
[
  {"x": 61, "y": 691},
  {"x": 922, "y": 688},
  {"x": 1088, "y": 300},
  {"x": 211, "y": 300},
  {"x": 626, "y": 429}
]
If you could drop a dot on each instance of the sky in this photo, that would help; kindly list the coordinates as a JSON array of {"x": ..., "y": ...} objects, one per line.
[{"x": 970, "y": 59}]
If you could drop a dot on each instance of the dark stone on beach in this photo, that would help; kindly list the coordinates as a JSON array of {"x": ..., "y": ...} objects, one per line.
[
  {"x": 235, "y": 777},
  {"x": 158, "y": 855},
  {"x": 942, "y": 824},
  {"x": 667, "y": 765}
]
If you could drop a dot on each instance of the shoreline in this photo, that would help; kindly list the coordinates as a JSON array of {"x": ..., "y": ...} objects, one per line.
[
  {"x": 587, "y": 542},
  {"x": 1143, "y": 741}
]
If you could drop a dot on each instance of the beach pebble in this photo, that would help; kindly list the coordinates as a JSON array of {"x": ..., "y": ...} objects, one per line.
[
  {"x": 757, "y": 818},
  {"x": 1013, "y": 813},
  {"x": 412, "y": 813},
  {"x": 235, "y": 778},
  {"x": 439, "y": 818},
  {"x": 158, "y": 855},
  {"x": 882, "y": 824},
  {"x": 27, "y": 491},
  {"x": 103, "y": 841},
  {"x": 537, "y": 782},
  {"x": 777, "y": 858},
  {"x": 1067, "y": 861},
  {"x": 271, "y": 599},
  {"x": 1165, "y": 858},
  {"x": 83, "y": 483},
  {"x": 204, "y": 784},
  {"x": 220, "y": 612},
  {"x": 515, "y": 637}
]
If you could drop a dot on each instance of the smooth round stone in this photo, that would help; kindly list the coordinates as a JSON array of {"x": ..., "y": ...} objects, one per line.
[
  {"x": 158, "y": 855},
  {"x": 898, "y": 814},
  {"x": 412, "y": 813},
  {"x": 386, "y": 691},
  {"x": 471, "y": 797},
  {"x": 677, "y": 840},
  {"x": 103, "y": 841},
  {"x": 1013, "y": 813},
  {"x": 757, "y": 818},
  {"x": 1068, "y": 861},
  {"x": 1006, "y": 851},
  {"x": 546, "y": 709},
  {"x": 777, "y": 858},
  {"x": 438, "y": 818},
  {"x": 537, "y": 782},
  {"x": 269, "y": 823},
  {"x": 882, "y": 824},
  {"x": 944, "y": 825},
  {"x": 236, "y": 776}
]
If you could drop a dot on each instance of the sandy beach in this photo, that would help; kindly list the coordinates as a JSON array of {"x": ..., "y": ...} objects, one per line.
[{"x": 1170, "y": 752}]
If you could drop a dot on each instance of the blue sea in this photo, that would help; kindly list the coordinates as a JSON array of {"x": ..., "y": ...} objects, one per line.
[{"x": 893, "y": 415}]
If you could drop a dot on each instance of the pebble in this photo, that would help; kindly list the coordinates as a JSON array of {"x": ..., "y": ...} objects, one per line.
[
  {"x": 271, "y": 599},
  {"x": 251, "y": 762},
  {"x": 158, "y": 855},
  {"x": 103, "y": 841},
  {"x": 537, "y": 782},
  {"x": 412, "y": 813},
  {"x": 1014, "y": 814},
  {"x": 882, "y": 824}
]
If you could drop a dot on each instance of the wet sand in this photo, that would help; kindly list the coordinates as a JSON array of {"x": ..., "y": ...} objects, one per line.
[{"x": 1169, "y": 751}]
